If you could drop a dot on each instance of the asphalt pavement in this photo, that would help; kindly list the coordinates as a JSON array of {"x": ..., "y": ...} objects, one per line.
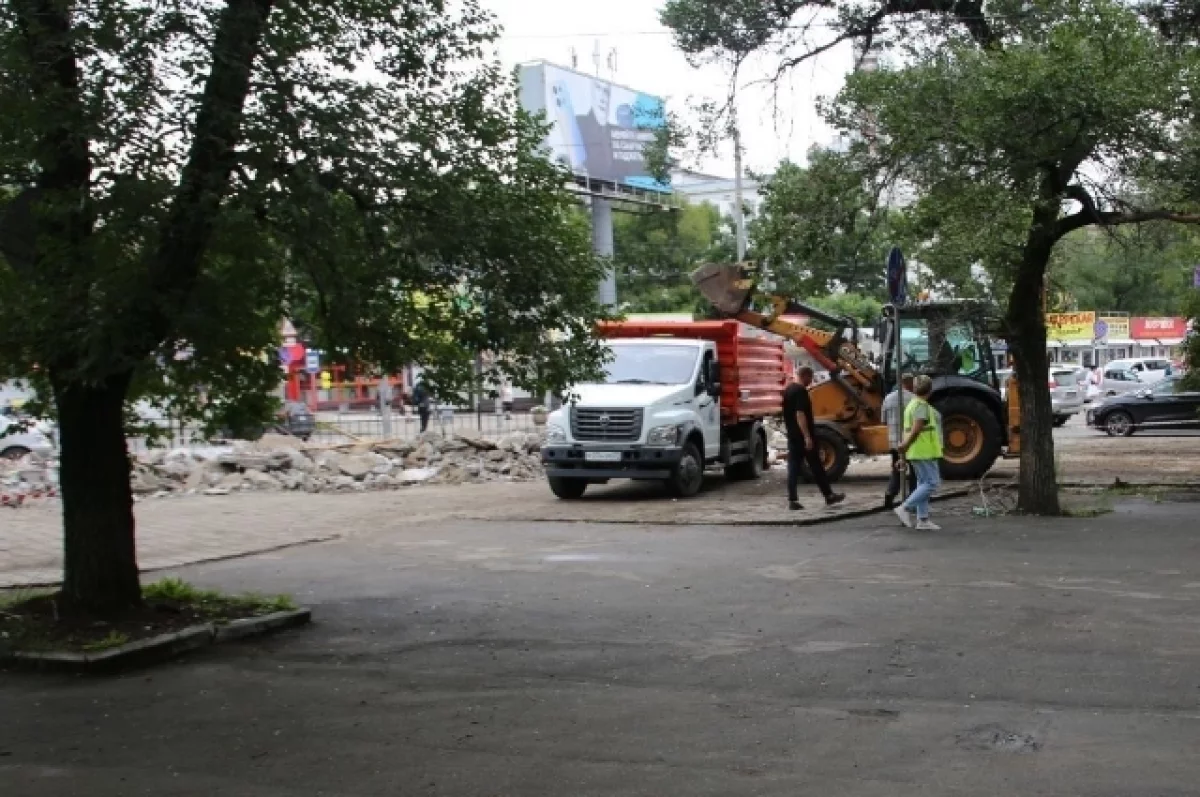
[{"x": 999, "y": 656}]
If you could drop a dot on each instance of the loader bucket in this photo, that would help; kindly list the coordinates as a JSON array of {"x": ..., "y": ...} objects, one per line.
[{"x": 727, "y": 285}]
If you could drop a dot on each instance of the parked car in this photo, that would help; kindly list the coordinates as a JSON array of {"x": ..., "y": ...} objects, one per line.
[
  {"x": 297, "y": 420},
  {"x": 1066, "y": 394},
  {"x": 1148, "y": 369},
  {"x": 18, "y": 439},
  {"x": 1163, "y": 405},
  {"x": 1119, "y": 380}
]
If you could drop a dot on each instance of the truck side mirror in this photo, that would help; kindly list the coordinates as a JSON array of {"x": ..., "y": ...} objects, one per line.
[
  {"x": 714, "y": 372},
  {"x": 714, "y": 389}
]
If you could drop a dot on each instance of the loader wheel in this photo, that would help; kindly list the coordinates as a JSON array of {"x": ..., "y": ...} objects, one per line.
[
  {"x": 835, "y": 453},
  {"x": 971, "y": 437}
]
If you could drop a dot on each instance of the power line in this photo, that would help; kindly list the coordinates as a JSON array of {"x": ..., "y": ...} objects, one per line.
[{"x": 815, "y": 24}]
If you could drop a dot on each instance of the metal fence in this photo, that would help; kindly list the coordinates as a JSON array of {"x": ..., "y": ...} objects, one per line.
[
  {"x": 340, "y": 426},
  {"x": 349, "y": 427}
]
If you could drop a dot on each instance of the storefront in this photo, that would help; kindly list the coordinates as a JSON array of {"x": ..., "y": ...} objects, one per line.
[
  {"x": 1159, "y": 336},
  {"x": 1071, "y": 338},
  {"x": 1114, "y": 339}
]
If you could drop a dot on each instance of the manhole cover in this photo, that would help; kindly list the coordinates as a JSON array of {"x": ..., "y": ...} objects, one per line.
[{"x": 995, "y": 738}]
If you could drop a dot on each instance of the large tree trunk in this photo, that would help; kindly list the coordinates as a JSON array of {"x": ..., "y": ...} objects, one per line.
[
  {"x": 100, "y": 573},
  {"x": 1038, "y": 487}
]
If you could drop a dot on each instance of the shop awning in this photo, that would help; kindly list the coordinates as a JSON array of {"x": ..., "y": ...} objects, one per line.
[
  {"x": 1169, "y": 341},
  {"x": 1118, "y": 342}
]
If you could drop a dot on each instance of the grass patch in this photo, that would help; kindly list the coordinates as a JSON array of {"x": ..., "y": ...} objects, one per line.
[
  {"x": 113, "y": 639},
  {"x": 30, "y": 620},
  {"x": 178, "y": 591}
]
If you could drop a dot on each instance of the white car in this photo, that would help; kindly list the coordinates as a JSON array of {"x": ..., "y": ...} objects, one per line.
[
  {"x": 1147, "y": 369},
  {"x": 16, "y": 442}
]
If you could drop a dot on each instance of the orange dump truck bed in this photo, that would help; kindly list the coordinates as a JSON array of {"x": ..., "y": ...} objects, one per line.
[{"x": 753, "y": 370}]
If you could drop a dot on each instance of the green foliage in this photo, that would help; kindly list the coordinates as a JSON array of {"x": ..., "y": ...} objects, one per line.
[
  {"x": 863, "y": 309},
  {"x": 821, "y": 228},
  {"x": 654, "y": 254},
  {"x": 1192, "y": 310},
  {"x": 360, "y": 206},
  {"x": 113, "y": 639},
  {"x": 178, "y": 591},
  {"x": 727, "y": 29},
  {"x": 1145, "y": 270}
]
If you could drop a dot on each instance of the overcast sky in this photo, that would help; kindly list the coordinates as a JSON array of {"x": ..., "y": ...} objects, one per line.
[{"x": 647, "y": 60}]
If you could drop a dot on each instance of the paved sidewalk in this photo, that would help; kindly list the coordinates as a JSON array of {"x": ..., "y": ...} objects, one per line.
[{"x": 187, "y": 529}]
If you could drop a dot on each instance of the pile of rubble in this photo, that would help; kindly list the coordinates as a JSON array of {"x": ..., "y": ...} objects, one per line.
[
  {"x": 278, "y": 462},
  {"x": 28, "y": 478}
]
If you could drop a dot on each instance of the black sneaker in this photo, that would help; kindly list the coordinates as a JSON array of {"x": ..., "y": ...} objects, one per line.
[
  {"x": 889, "y": 501},
  {"x": 794, "y": 505},
  {"x": 834, "y": 498}
]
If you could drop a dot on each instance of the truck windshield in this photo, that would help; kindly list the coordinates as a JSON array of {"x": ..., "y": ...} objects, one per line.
[{"x": 651, "y": 365}]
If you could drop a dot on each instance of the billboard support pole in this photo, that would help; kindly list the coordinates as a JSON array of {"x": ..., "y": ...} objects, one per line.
[{"x": 602, "y": 245}]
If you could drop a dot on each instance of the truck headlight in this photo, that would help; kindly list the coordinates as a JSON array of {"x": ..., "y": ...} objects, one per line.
[
  {"x": 664, "y": 435},
  {"x": 555, "y": 434}
]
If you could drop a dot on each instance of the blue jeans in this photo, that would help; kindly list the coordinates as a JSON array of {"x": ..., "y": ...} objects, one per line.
[{"x": 928, "y": 479}]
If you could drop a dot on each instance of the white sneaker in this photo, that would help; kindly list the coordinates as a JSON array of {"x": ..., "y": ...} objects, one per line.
[
  {"x": 927, "y": 525},
  {"x": 905, "y": 518}
]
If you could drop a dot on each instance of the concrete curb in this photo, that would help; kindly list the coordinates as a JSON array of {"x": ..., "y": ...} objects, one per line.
[
  {"x": 159, "y": 648},
  {"x": 846, "y": 514},
  {"x": 202, "y": 561}
]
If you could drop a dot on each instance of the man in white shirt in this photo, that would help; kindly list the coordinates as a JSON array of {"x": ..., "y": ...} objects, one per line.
[{"x": 893, "y": 415}]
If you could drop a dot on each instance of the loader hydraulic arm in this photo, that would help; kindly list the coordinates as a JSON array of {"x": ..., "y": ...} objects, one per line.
[{"x": 731, "y": 291}]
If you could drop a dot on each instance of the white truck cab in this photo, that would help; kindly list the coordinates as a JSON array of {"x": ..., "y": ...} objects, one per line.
[{"x": 657, "y": 415}]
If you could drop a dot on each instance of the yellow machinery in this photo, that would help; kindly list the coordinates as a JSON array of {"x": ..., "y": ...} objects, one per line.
[{"x": 946, "y": 340}]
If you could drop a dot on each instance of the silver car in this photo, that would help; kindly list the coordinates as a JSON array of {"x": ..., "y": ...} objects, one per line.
[
  {"x": 1066, "y": 394},
  {"x": 1119, "y": 380}
]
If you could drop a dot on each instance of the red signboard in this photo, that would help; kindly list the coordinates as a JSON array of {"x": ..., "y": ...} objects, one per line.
[{"x": 1151, "y": 328}]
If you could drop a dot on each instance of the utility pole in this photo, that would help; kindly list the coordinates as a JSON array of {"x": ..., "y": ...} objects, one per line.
[{"x": 739, "y": 217}]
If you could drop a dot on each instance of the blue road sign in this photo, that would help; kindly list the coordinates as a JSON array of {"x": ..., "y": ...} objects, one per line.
[
  {"x": 897, "y": 277},
  {"x": 312, "y": 361}
]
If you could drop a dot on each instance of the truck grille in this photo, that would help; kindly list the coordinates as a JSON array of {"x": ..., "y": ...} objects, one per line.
[{"x": 592, "y": 424}]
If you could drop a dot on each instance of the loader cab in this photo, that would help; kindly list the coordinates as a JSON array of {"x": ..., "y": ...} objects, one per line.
[
  {"x": 949, "y": 342},
  {"x": 939, "y": 339}
]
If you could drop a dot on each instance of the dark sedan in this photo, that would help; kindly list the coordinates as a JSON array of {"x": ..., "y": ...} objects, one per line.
[{"x": 1164, "y": 405}]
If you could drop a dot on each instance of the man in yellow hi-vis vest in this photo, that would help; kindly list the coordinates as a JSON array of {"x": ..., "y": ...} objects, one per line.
[{"x": 921, "y": 446}]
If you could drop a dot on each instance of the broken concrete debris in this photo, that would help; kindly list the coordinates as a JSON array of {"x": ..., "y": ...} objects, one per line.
[{"x": 277, "y": 462}]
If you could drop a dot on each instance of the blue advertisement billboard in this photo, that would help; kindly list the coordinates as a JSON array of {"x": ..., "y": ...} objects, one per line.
[{"x": 599, "y": 129}]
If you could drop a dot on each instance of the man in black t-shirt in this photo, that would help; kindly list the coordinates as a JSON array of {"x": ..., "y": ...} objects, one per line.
[{"x": 802, "y": 444}]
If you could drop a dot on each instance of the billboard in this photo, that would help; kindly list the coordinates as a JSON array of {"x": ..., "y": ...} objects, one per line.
[
  {"x": 598, "y": 128},
  {"x": 1113, "y": 327},
  {"x": 1071, "y": 327},
  {"x": 1160, "y": 328}
]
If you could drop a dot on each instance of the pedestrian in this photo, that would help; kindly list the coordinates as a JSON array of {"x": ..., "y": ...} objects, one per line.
[
  {"x": 422, "y": 401},
  {"x": 506, "y": 398},
  {"x": 922, "y": 447},
  {"x": 893, "y": 417},
  {"x": 802, "y": 444}
]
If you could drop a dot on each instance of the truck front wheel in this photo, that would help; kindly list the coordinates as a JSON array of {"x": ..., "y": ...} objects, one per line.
[
  {"x": 567, "y": 489},
  {"x": 688, "y": 475}
]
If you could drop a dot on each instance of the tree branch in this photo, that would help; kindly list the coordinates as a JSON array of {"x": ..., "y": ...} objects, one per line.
[
  {"x": 1085, "y": 218},
  {"x": 205, "y": 179}
]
